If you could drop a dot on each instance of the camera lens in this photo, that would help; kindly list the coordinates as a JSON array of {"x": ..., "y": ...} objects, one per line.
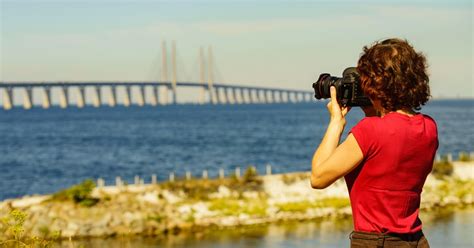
[{"x": 322, "y": 86}]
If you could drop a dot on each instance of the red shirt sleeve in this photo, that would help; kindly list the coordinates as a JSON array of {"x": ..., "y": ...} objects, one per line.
[{"x": 364, "y": 133}]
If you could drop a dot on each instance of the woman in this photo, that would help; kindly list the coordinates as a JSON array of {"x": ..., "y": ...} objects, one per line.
[{"x": 387, "y": 156}]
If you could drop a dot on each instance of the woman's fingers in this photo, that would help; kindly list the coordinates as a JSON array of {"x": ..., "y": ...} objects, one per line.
[
  {"x": 345, "y": 110},
  {"x": 332, "y": 90}
]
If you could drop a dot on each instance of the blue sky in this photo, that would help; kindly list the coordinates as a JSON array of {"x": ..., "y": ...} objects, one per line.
[{"x": 268, "y": 43}]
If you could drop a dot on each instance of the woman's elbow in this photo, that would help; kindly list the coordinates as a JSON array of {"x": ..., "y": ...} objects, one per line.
[{"x": 318, "y": 183}]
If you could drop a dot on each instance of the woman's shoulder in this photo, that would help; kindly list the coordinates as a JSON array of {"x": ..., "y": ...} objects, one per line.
[{"x": 428, "y": 118}]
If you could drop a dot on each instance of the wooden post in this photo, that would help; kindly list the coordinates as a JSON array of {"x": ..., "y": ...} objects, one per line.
[
  {"x": 237, "y": 172},
  {"x": 153, "y": 179},
  {"x": 118, "y": 182},
  {"x": 136, "y": 180},
  {"x": 172, "y": 177},
  {"x": 100, "y": 182},
  {"x": 450, "y": 157},
  {"x": 269, "y": 169},
  {"x": 188, "y": 175},
  {"x": 221, "y": 173},
  {"x": 204, "y": 174}
]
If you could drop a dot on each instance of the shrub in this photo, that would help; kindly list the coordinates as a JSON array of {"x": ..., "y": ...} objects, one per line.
[
  {"x": 464, "y": 157},
  {"x": 250, "y": 174},
  {"x": 79, "y": 193},
  {"x": 442, "y": 168},
  {"x": 12, "y": 232}
]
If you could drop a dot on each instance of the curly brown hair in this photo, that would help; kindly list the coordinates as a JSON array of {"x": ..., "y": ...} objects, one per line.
[{"x": 394, "y": 73}]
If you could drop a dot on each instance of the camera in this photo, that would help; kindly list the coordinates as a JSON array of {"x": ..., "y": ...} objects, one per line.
[{"x": 349, "y": 91}]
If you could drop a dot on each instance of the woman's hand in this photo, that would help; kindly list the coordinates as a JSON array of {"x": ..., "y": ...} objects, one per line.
[{"x": 337, "y": 113}]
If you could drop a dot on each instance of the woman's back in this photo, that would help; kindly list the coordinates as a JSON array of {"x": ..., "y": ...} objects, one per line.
[{"x": 398, "y": 153}]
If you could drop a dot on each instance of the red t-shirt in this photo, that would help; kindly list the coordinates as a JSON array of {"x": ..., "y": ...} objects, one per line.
[{"x": 398, "y": 156}]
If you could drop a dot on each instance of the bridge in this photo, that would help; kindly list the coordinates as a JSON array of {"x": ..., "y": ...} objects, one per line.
[{"x": 152, "y": 93}]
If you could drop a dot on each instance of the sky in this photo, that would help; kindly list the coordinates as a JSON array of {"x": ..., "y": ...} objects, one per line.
[{"x": 283, "y": 44}]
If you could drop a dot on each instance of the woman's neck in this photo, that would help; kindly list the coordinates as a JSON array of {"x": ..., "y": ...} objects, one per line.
[{"x": 407, "y": 112}]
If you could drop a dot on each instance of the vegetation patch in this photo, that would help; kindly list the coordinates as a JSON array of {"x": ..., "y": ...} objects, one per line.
[
  {"x": 294, "y": 177},
  {"x": 234, "y": 207},
  {"x": 12, "y": 232},
  {"x": 303, "y": 206},
  {"x": 464, "y": 157},
  {"x": 79, "y": 194},
  {"x": 442, "y": 168}
]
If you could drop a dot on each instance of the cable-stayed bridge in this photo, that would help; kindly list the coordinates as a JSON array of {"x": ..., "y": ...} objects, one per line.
[{"x": 152, "y": 93}]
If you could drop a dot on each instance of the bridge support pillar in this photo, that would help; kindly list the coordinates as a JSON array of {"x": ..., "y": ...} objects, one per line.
[
  {"x": 7, "y": 98},
  {"x": 174, "y": 95},
  {"x": 225, "y": 96},
  {"x": 113, "y": 96},
  {"x": 218, "y": 99},
  {"x": 81, "y": 102},
  {"x": 250, "y": 96},
  {"x": 258, "y": 95},
  {"x": 46, "y": 97},
  {"x": 230, "y": 95},
  {"x": 265, "y": 96},
  {"x": 234, "y": 95},
  {"x": 153, "y": 96},
  {"x": 63, "y": 97},
  {"x": 141, "y": 96},
  {"x": 97, "y": 97},
  {"x": 157, "y": 95},
  {"x": 280, "y": 97},
  {"x": 273, "y": 93},
  {"x": 126, "y": 97},
  {"x": 27, "y": 99}
]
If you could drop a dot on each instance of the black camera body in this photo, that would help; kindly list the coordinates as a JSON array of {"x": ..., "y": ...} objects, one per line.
[{"x": 349, "y": 91}]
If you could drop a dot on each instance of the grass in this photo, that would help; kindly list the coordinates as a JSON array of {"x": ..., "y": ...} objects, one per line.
[
  {"x": 79, "y": 194},
  {"x": 12, "y": 232},
  {"x": 303, "y": 206},
  {"x": 442, "y": 168},
  {"x": 464, "y": 157},
  {"x": 234, "y": 207}
]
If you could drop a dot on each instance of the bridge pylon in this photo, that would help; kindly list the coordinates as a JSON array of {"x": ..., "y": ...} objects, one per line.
[
  {"x": 27, "y": 98},
  {"x": 7, "y": 99},
  {"x": 63, "y": 97}
]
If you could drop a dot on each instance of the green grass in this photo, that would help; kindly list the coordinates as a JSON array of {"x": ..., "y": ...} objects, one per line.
[
  {"x": 234, "y": 207},
  {"x": 79, "y": 194},
  {"x": 303, "y": 206},
  {"x": 442, "y": 168}
]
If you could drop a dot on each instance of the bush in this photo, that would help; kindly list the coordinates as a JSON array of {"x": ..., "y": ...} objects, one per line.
[
  {"x": 79, "y": 193},
  {"x": 12, "y": 232},
  {"x": 464, "y": 157},
  {"x": 442, "y": 168},
  {"x": 250, "y": 174}
]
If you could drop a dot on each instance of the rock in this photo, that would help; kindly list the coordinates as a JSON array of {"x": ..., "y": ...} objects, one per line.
[
  {"x": 28, "y": 201},
  {"x": 222, "y": 192},
  {"x": 170, "y": 197},
  {"x": 150, "y": 197},
  {"x": 70, "y": 230}
]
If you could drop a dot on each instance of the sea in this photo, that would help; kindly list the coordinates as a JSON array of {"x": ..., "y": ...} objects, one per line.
[{"x": 45, "y": 150}]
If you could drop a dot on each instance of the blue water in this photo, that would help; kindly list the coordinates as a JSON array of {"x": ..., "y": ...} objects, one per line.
[{"x": 42, "y": 151}]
